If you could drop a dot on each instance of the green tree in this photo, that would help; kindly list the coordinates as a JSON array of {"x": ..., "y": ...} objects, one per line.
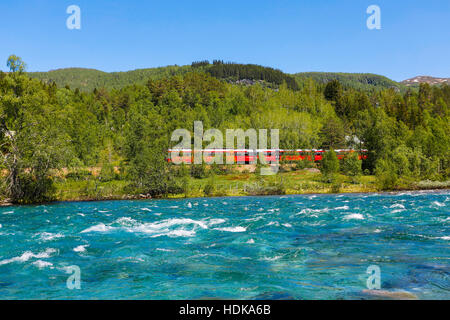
[
  {"x": 332, "y": 133},
  {"x": 146, "y": 151},
  {"x": 15, "y": 64},
  {"x": 107, "y": 173},
  {"x": 330, "y": 165},
  {"x": 386, "y": 174},
  {"x": 33, "y": 140},
  {"x": 351, "y": 165},
  {"x": 333, "y": 91}
]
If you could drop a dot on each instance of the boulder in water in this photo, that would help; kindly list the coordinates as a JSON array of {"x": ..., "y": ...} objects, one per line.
[{"x": 395, "y": 295}]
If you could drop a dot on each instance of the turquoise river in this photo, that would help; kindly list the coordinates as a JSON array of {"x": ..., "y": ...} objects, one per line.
[{"x": 278, "y": 247}]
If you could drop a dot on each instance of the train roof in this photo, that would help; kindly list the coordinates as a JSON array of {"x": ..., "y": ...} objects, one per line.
[{"x": 264, "y": 150}]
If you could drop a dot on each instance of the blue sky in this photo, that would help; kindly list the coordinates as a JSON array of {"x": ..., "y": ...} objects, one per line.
[{"x": 294, "y": 36}]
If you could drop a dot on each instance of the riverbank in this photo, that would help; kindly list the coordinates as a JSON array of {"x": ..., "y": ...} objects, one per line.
[
  {"x": 307, "y": 181},
  {"x": 238, "y": 184}
]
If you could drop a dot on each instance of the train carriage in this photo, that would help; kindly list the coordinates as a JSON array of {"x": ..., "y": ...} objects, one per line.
[{"x": 246, "y": 156}]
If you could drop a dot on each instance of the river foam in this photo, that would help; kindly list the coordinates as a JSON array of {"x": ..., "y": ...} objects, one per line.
[
  {"x": 29, "y": 255},
  {"x": 354, "y": 216},
  {"x": 156, "y": 229}
]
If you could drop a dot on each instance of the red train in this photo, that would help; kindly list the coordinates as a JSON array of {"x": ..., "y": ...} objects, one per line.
[{"x": 245, "y": 156}]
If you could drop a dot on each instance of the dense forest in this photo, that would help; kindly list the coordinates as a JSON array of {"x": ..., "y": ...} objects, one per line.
[
  {"x": 88, "y": 79},
  {"x": 360, "y": 81},
  {"x": 47, "y": 131},
  {"x": 234, "y": 71}
]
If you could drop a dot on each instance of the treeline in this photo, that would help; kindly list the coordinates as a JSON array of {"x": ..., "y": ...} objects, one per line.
[
  {"x": 199, "y": 64},
  {"x": 359, "y": 81},
  {"x": 44, "y": 128},
  {"x": 88, "y": 79},
  {"x": 235, "y": 71},
  {"x": 407, "y": 135}
]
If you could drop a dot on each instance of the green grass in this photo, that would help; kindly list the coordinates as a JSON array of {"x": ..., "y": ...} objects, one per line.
[
  {"x": 237, "y": 184},
  {"x": 81, "y": 190}
]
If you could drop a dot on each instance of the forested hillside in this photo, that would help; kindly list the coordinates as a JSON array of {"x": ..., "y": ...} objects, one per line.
[
  {"x": 89, "y": 79},
  {"x": 234, "y": 72},
  {"x": 361, "y": 81},
  {"x": 45, "y": 128}
]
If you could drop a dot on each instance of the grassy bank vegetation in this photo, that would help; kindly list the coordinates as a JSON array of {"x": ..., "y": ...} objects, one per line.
[{"x": 235, "y": 182}]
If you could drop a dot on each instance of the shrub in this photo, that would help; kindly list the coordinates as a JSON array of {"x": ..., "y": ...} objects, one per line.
[
  {"x": 210, "y": 186},
  {"x": 272, "y": 188},
  {"x": 304, "y": 164},
  {"x": 79, "y": 175},
  {"x": 351, "y": 165},
  {"x": 29, "y": 189},
  {"x": 385, "y": 172},
  {"x": 198, "y": 171},
  {"x": 336, "y": 187},
  {"x": 185, "y": 185},
  {"x": 428, "y": 184},
  {"x": 107, "y": 173},
  {"x": 330, "y": 166},
  {"x": 180, "y": 171}
]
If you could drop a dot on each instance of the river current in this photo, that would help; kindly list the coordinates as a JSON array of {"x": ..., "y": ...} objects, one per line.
[{"x": 278, "y": 247}]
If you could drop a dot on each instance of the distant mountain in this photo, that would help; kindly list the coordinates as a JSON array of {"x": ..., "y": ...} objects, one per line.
[
  {"x": 362, "y": 81},
  {"x": 425, "y": 79},
  {"x": 88, "y": 79}
]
